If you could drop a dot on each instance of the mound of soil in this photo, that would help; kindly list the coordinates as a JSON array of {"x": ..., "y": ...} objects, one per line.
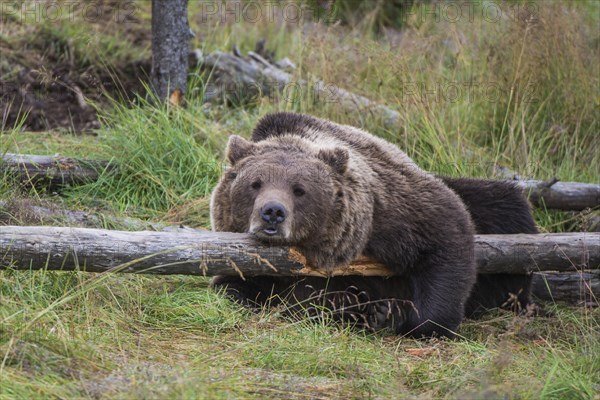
[
  {"x": 53, "y": 96},
  {"x": 50, "y": 67}
]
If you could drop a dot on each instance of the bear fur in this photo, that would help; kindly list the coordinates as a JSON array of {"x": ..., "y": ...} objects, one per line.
[
  {"x": 496, "y": 207},
  {"x": 336, "y": 192}
]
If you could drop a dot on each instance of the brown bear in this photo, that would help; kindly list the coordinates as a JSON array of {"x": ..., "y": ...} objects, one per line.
[{"x": 336, "y": 192}]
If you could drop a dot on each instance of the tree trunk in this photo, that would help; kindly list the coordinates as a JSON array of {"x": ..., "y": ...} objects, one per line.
[
  {"x": 192, "y": 252},
  {"x": 170, "y": 48}
]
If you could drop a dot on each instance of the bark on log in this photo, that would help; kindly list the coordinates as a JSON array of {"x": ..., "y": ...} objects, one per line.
[
  {"x": 191, "y": 252},
  {"x": 56, "y": 171},
  {"x": 170, "y": 40},
  {"x": 51, "y": 171},
  {"x": 580, "y": 288},
  {"x": 249, "y": 77},
  {"x": 562, "y": 195},
  {"x": 516, "y": 254}
]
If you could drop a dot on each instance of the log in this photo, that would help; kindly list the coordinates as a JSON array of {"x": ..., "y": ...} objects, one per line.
[
  {"x": 15, "y": 210},
  {"x": 232, "y": 75},
  {"x": 525, "y": 253},
  {"x": 553, "y": 194},
  {"x": 192, "y": 252},
  {"x": 51, "y": 171},
  {"x": 56, "y": 171},
  {"x": 184, "y": 251},
  {"x": 562, "y": 195},
  {"x": 579, "y": 288}
]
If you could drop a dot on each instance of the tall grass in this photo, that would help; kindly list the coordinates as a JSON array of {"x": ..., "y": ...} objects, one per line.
[
  {"x": 162, "y": 158},
  {"x": 519, "y": 91}
]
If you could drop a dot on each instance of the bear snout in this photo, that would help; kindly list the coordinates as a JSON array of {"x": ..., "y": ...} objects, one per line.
[{"x": 273, "y": 213}]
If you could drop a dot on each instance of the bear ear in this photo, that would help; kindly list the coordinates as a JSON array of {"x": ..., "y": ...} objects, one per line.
[
  {"x": 238, "y": 148},
  {"x": 336, "y": 158}
]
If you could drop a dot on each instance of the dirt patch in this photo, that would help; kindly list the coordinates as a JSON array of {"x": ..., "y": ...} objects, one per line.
[
  {"x": 54, "y": 96},
  {"x": 49, "y": 71}
]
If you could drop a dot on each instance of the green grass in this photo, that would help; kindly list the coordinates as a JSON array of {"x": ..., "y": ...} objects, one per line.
[
  {"x": 69, "y": 334},
  {"x": 83, "y": 35},
  {"x": 77, "y": 335},
  {"x": 163, "y": 156}
]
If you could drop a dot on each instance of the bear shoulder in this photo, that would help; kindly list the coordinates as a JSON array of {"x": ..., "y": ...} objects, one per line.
[{"x": 331, "y": 134}]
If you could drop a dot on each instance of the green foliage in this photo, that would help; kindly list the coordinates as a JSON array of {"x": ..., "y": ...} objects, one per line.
[
  {"x": 161, "y": 160},
  {"x": 78, "y": 334},
  {"x": 520, "y": 92}
]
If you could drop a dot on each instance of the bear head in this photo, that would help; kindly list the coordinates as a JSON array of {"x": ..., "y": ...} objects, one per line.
[{"x": 284, "y": 190}]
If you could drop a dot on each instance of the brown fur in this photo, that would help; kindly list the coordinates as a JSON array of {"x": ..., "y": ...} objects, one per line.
[
  {"x": 360, "y": 194},
  {"x": 496, "y": 207}
]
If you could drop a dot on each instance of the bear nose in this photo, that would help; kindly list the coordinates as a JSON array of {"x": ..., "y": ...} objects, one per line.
[{"x": 273, "y": 213}]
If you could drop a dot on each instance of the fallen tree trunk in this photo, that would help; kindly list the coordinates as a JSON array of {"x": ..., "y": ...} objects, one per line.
[
  {"x": 16, "y": 211},
  {"x": 191, "y": 252},
  {"x": 562, "y": 195},
  {"x": 580, "y": 288},
  {"x": 56, "y": 171},
  {"x": 232, "y": 75},
  {"x": 51, "y": 171},
  {"x": 516, "y": 254}
]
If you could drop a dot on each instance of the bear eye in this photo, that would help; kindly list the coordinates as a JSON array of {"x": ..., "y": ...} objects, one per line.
[
  {"x": 255, "y": 185},
  {"x": 232, "y": 175},
  {"x": 298, "y": 192}
]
